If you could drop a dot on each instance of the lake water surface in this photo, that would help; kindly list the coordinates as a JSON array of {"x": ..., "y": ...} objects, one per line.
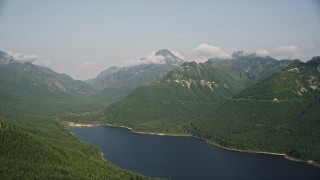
[{"x": 187, "y": 157}]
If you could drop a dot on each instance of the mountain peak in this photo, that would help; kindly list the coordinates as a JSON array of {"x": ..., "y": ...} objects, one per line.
[
  {"x": 4, "y": 58},
  {"x": 170, "y": 58},
  {"x": 164, "y": 52},
  {"x": 315, "y": 61},
  {"x": 243, "y": 54}
]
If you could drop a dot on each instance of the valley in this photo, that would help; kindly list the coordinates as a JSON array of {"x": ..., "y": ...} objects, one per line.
[
  {"x": 171, "y": 89},
  {"x": 248, "y": 103}
]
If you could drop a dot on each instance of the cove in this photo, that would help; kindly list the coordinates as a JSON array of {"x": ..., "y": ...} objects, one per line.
[{"x": 187, "y": 157}]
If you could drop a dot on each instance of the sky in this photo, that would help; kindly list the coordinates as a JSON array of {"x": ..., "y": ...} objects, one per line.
[{"x": 84, "y": 37}]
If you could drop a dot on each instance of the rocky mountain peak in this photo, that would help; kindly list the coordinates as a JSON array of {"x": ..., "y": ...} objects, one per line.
[
  {"x": 164, "y": 52},
  {"x": 170, "y": 58}
]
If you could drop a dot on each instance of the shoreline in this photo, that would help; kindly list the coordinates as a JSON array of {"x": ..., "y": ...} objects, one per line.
[{"x": 80, "y": 125}]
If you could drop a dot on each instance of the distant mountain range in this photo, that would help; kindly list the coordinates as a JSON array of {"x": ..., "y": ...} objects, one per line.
[
  {"x": 189, "y": 91},
  {"x": 29, "y": 83},
  {"x": 117, "y": 82},
  {"x": 28, "y": 86},
  {"x": 247, "y": 102}
]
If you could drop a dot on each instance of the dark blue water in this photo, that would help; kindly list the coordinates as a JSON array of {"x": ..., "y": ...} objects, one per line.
[{"x": 187, "y": 157}]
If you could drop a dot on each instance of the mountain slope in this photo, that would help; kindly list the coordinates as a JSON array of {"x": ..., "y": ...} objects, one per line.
[
  {"x": 188, "y": 91},
  {"x": 28, "y": 86},
  {"x": 251, "y": 68},
  {"x": 25, "y": 155},
  {"x": 15, "y": 71},
  {"x": 280, "y": 114},
  {"x": 34, "y": 144},
  {"x": 117, "y": 82}
]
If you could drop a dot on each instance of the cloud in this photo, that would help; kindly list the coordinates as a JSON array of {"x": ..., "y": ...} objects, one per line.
[
  {"x": 32, "y": 58},
  {"x": 201, "y": 60},
  {"x": 88, "y": 65},
  {"x": 150, "y": 58},
  {"x": 22, "y": 57},
  {"x": 262, "y": 53},
  {"x": 211, "y": 51},
  {"x": 41, "y": 62},
  {"x": 290, "y": 51},
  {"x": 178, "y": 54},
  {"x": 236, "y": 54},
  {"x": 155, "y": 59}
]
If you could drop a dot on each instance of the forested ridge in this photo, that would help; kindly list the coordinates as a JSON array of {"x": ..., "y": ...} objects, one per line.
[
  {"x": 41, "y": 147},
  {"x": 279, "y": 114},
  {"x": 188, "y": 91},
  {"x": 34, "y": 143},
  {"x": 247, "y": 103}
]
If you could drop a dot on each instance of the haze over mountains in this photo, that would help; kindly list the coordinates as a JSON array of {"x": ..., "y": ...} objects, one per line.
[
  {"x": 243, "y": 75},
  {"x": 248, "y": 102},
  {"x": 25, "y": 85},
  {"x": 116, "y": 82},
  {"x": 112, "y": 84}
]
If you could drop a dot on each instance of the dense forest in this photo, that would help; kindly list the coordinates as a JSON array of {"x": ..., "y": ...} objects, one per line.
[
  {"x": 37, "y": 146},
  {"x": 278, "y": 114},
  {"x": 189, "y": 91},
  {"x": 28, "y": 156},
  {"x": 218, "y": 101},
  {"x": 34, "y": 144}
]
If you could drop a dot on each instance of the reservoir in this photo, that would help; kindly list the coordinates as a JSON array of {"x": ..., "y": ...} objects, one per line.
[{"x": 187, "y": 157}]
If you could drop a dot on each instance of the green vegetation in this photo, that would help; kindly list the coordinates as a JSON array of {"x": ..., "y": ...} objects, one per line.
[
  {"x": 34, "y": 144},
  {"x": 279, "y": 114},
  {"x": 51, "y": 153},
  {"x": 186, "y": 92},
  {"x": 37, "y": 146},
  {"x": 117, "y": 82},
  {"x": 212, "y": 100}
]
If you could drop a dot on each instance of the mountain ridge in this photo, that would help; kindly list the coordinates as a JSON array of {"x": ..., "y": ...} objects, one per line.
[
  {"x": 187, "y": 91},
  {"x": 34, "y": 142},
  {"x": 117, "y": 82},
  {"x": 199, "y": 99},
  {"x": 278, "y": 114}
]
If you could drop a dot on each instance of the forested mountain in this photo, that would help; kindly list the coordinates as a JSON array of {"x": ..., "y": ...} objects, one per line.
[
  {"x": 188, "y": 91},
  {"x": 30, "y": 75},
  {"x": 247, "y": 102},
  {"x": 251, "y": 68},
  {"x": 55, "y": 154},
  {"x": 26, "y": 86},
  {"x": 34, "y": 144},
  {"x": 117, "y": 82},
  {"x": 278, "y": 114}
]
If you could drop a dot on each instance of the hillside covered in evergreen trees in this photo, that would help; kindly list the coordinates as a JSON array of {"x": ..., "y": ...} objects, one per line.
[
  {"x": 34, "y": 144},
  {"x": 248, "y": 102},
  {"x": 279, "y": 114},
  {"x": 188, "y": 91}
]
